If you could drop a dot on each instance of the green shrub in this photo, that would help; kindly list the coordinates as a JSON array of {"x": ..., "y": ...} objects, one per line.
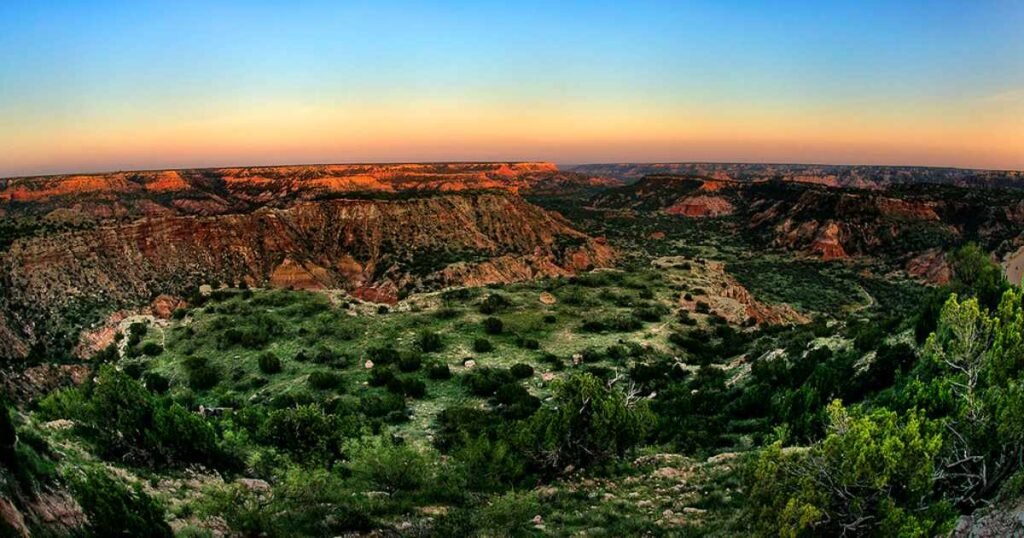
[
  {"x": 376, "y": 406},
  {"x": 872, "y": 475},
  {"x": 152, "y": 349},
  {"x": 429, "y": 342},
  {"x": 303, "y": 502},
  {"x": 383, "y": 355},
  {"x": 517, "y": 402},
  {"x": 269, "y": 363},
  {"x": 307, "y": 431},
  {"x": 321, "y": 380},
  {"x": 414, "y": 388},
  {"x": 494, "y": 303},
  {"x": 528, "y": 343},
  {"x": 410, "y": 363},
  {"x": 587, "y": 423},
  {"x": 439, "y": 372},
  {"x": 116, "y": 510},
  {"x": 201, "y": 374},
  {"x": 489, "y": 464},
  {"x": 380, "y": 376},
  {"x": 484, "y": 381},
  {"x": 521, "y": 370},
  {"x": 184, "y": 436},
  {"x": 389, "y": 466},
  {"x": 509, "y": 515},
  {"x": 155, "y": 382},
  {"x": 493, "y": 325},
  {"x": 482, "y": 345}
]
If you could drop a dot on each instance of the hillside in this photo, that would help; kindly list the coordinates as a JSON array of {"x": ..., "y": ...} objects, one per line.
[
  {"x": 855, "y": 176},
  {"x": 909, "y": 225}
]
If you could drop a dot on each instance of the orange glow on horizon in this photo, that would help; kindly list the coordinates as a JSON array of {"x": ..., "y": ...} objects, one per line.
[{"x": 283, "y": 133}]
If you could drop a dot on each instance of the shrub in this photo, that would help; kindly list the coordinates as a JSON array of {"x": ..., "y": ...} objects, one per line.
[
  {"x": 612, "y": 324},
  {"x": 184, "y": 435},
  {"x": 588, "y": 424},
  {"x": 685, "y": 319},
  {"x": 303, "y": 502},
  {"x": 307, "y": 431},
  {"x": 152, "y": 349},
  {"x": 201, "y": 374},
  {"x": 320, "y": 380},
  {"x": 156, "y": 383},
  {"x": 429, "y": 342},
  {"x": 383, "y": 355},
  {"x": 269, "y": 363},
  {"x": 327, "y": 356},
  {"x": 872, "y": 475},
  {"x": 377, "y": 406},
  {"x": 482, "y": 345},
  {"x": 389, "y": 466},
  {"x": 485, "y": 381},
  {"x": 521, "y": 370},
  {"x": 439, "y": 372},
  {"x": 517, "y": 401},
  {"x": 493, "y": 325},
  {"x": 528, "y": 343},
  {"x": 410, "y": 363},
  {"x": 489, "y": 464},
  {"x": 650, "y": 313},
  {"x": 380, "y": 377},
  {"x": 414, "y": 388},
  {"x": 116, "y": 510},
  {"x": 494, "y": 303}
]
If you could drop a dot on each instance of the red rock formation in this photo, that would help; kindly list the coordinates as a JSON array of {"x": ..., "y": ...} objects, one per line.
[
  {"x": 930, "y": 266},
  {"x": 827, "y": 244},
  {"x": 231, "y": 190},
  {"x": 373, "y": 248},
  {"x": 701, "y": 206}
]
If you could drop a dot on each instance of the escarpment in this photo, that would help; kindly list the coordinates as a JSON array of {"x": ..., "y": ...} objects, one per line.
[{"x": 375, "y": 249}]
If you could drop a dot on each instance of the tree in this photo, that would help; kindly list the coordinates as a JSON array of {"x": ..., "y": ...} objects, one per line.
[
  {"x": 979, "y": 360},
  {"x": 872, "y": 475},
  {"x": 587, "y": 423}
]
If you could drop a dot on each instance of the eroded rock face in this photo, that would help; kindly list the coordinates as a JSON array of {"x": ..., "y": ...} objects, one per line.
[
  {"x": 375, "y": 249},
  {"x": 901, "y": 221},
  {"x": 726, "y": 297},
  {"x": 930, "y": 266},
  {"x": 216, "y": 191},
  {"x": 869, "y": 177},
  {"x": 701, "y": 206}
]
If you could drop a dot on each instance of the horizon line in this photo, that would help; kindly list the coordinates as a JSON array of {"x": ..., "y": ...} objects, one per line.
[{"x": 504, "y": 161}]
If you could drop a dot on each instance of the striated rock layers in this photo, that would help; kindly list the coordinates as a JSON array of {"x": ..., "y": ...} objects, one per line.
[
  {"x": 375, "y": 249},
  {"x": 909, "y": 224},
  {"x": 216, "y": 191}
]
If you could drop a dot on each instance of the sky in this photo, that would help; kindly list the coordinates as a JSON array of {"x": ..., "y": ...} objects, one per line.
[{"x": 107, "y": 85}]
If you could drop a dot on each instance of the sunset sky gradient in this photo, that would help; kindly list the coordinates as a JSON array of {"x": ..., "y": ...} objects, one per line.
[{"x": 105, "y": 85}]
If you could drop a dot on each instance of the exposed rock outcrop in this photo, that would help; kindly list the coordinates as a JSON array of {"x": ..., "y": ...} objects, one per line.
[{"x": 375, "y": 249}]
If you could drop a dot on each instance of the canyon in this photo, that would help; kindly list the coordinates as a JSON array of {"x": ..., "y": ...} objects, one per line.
[{"x": 101, "y": 242}]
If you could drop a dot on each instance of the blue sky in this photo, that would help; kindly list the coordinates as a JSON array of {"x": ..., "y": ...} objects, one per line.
[{"x": 108, "y": 85}]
